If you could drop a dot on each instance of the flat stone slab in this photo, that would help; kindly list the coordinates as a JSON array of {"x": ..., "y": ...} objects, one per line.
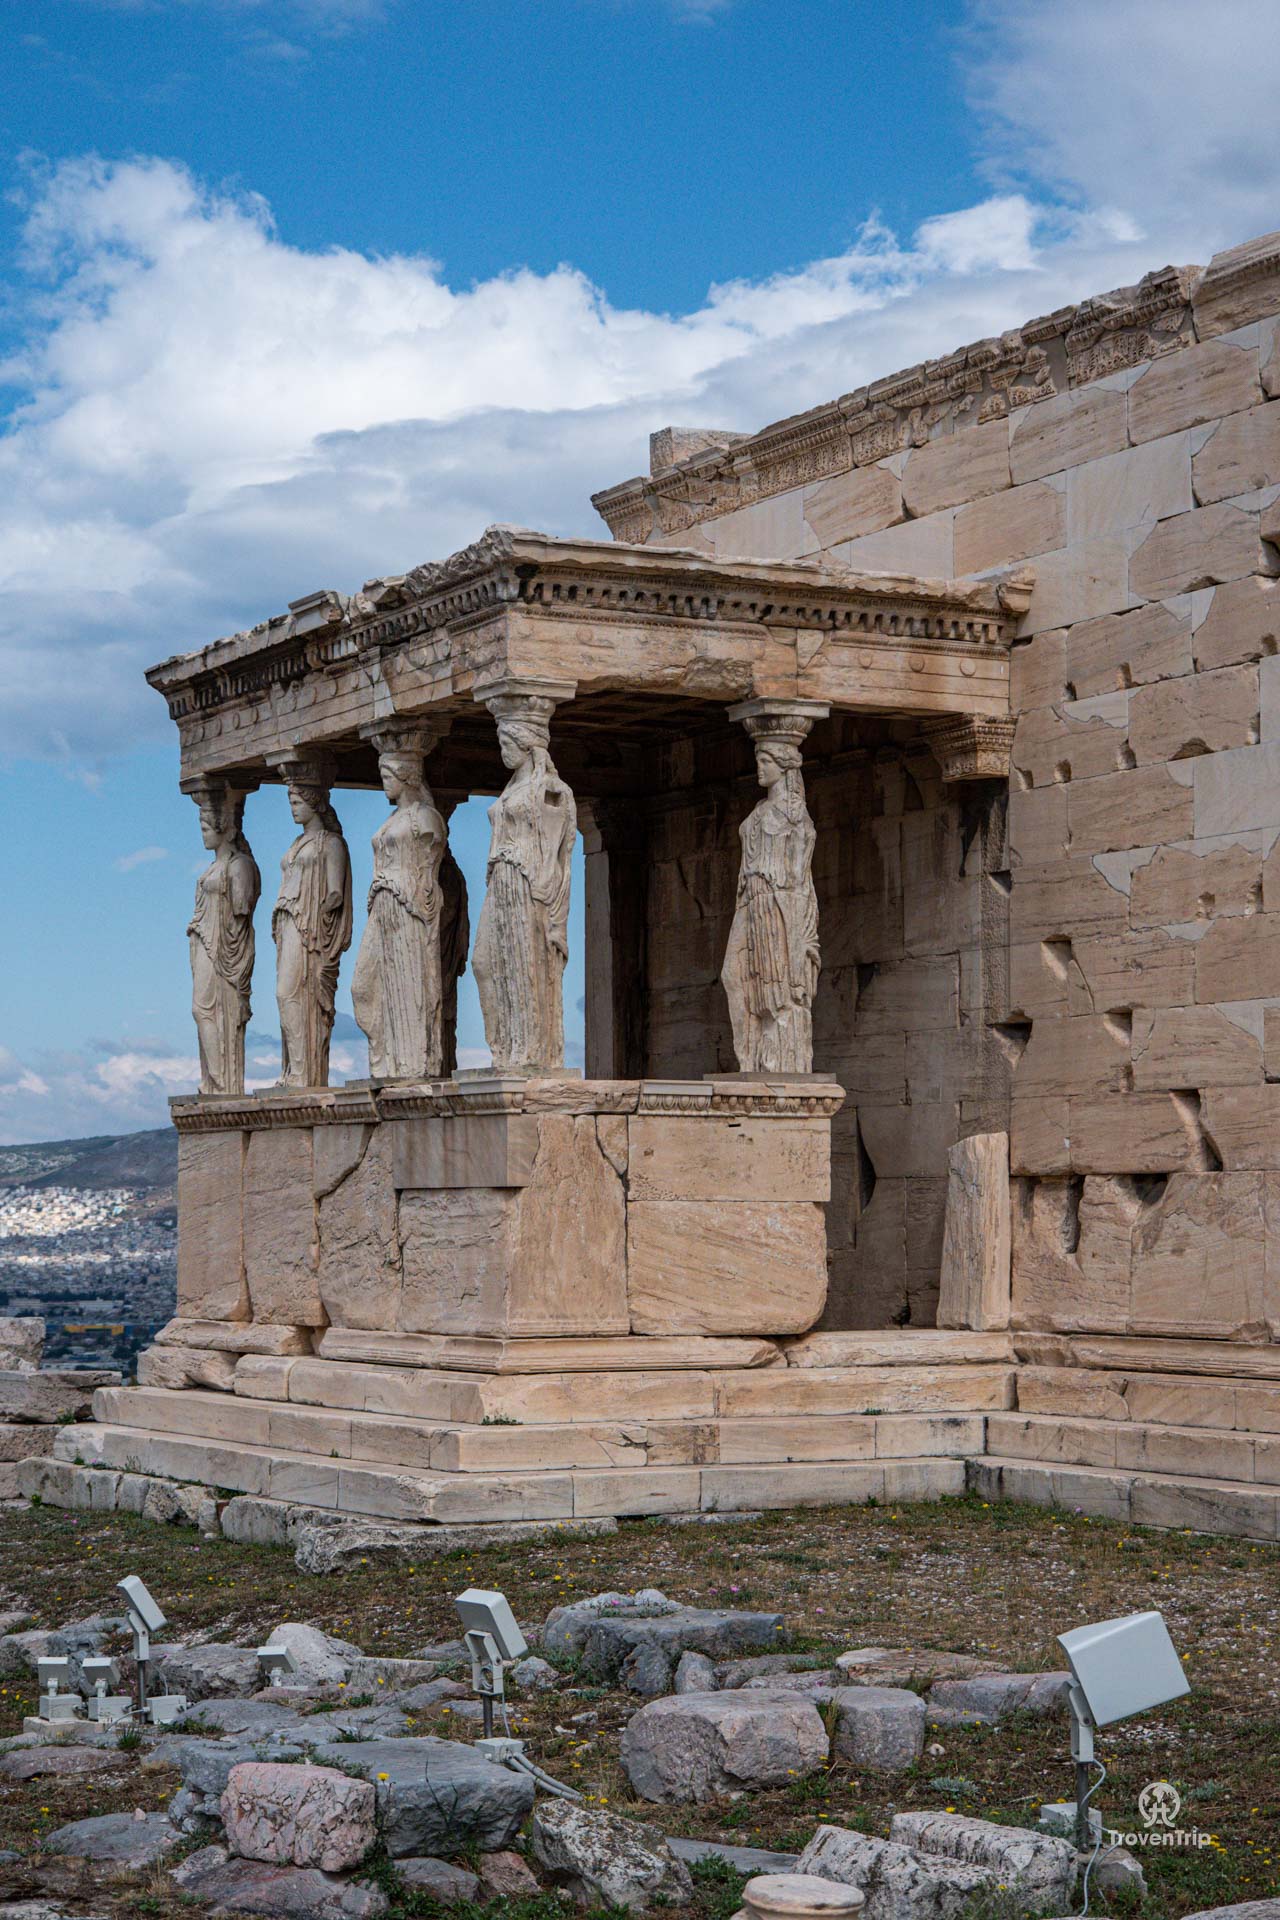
[
  {"x": 605, "y": 1860},
  {"x": 642, "y": 1653},
  {"x": 229, "y": 1885},
  {"x": 997, "y": 1695},
  {"x": 440, "y": 1878},
  {"x": 1038, "y": 1866},
  {"x": 741, "y": 1859},
  {"x": 907, "y": 1666},
  {"x": 436, "y": 1796},
  {"x": 120, "y": 1838},
  {"x": 693, "y": 1746},
  {"x": 212, "y": 1671},
  {"x": 36, "y": 1763},
  {"x": 898, "y": 1883}
]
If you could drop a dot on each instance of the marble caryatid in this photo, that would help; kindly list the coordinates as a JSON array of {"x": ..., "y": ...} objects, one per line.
[
  {"x": 311, "y": 925},
  {"x": 397, "y": 989},
  {"x": 220, "y": 936},
  {"x": 771, "y": 965},
  {"x": 522, "y": 939}
]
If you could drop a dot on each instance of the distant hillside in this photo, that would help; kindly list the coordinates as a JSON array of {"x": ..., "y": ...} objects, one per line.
[{"x": 107, "y": 1160}]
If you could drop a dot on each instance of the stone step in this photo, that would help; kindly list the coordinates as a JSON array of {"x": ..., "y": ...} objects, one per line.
[
  {"x": 1139, "y": 1445},
  {"x": 897, "y": 1347},
  {"x": 1173, "y": 1399},
  {"x": 460, "y": 1399},
  {"x": 1141, "y": 1499},
  {"x": 643, "y": 1353},
  {"x": 1225, "y": 1358},
  {"x": 387, "y": 1441},
  {"x": 399, "y": 1494}
]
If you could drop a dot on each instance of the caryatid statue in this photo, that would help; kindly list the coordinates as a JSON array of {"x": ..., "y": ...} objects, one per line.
[
  {"x": 397, "y": 988},
  {"x": 311, "y": 925},
  {"x": 771, "y": 965},
  {"x": 220, "y": 937},
  {"x": 522, "y": 940}
]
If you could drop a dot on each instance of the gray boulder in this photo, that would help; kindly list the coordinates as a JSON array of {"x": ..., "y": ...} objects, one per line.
[
  {"x": 124, "y": 1839},
  {"x": 897, "y": 1883},
  {"x": 212, "y": 1670},
  {"x": 429, "y": 1696},
  {"x": 1039, "y": 1867},
  {"x": 282, "y": 1893},
  {"x": 321, "y": 1658},
  {"x": 809, "y": 1681},
  {"x": 259, "y": 1719},
  {"x": 642, "y": 1653},
  {"x": 440, "y": 1878},
  {"x": 695, "y": 1674},
  {"x": 438, "y": 1796},
  {"x": 45, "y": 1399},
  {"x": 38, "y": 1763},
  {"x": 369, "y": 1674},
  {"x": 695, "y": 1745},
  {"x": 736, "y": 1673},
  {"x": 205, "y": 1767},
  {"x": 533, "y": 1675},
  {"x": 21, "y": 1343},
  {"x": 878, "y": 1727},
  {"x": 565, "y": 1629},
  {"x": 605, "y": 1860},
  {"x": 996, "y": 1695}
]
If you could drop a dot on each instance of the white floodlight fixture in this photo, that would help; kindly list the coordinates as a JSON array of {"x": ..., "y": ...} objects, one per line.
[
  {"x": 55, "y": 1670},
  {"x": 492, "y": 1638},
  {"x": 103, "y": 1674},
  {"x": 145, "y": 1618},
  {"x": 1118, "y": 1668},
  {"x": 276, "y": 1661}
]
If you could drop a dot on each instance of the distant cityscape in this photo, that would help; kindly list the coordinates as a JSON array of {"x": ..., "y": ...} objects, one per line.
[{"x": 88, "y": 1241}]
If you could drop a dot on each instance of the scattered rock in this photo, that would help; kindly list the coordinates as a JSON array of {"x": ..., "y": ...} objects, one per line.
[
  {"x": 21, "y": 1343},
  {"x": 907, "y": 1666},
  {"x": 694, "y": 1745},
  {"x": 955, "y": 1717},
  {"x": 47, "y": 1399},
  {"x": 422, "y": 1699},
  {"x": 996, "y": 1695},
  {"x": 1119, "y": 1871},
  {"x": 898, "y": 1884},
  {"x": 125, "y": 1839},
  {"x": 641, "y": 1653},
  {"x": 33, "y": 1763},
  {"x": 695, "y": 1674},
  {"x": 321, "y": 1659},
  {"x": 736, "y": 1673},
  {"x": 282, "y": 1893},
  {"x": 15, "y": 1618},
  {"x": 807, "y": 1682},
  {"x": 212, "y": 1670},
  {"x": 38, "y": 1909},
  {"x": 504, "y": 1876},
  {"x": 878, "y": 1727},
  {"x": 647, "y": 1671},
  {"x": 605, "y": 1860},
  {"x": 440, "y": 1879},
  {"x": 368, "y": 1673},
  {"x": 261, "y": 1719},
  {"x": 436, "y": 1796},
  {"x": 741, "y": 1859},
  {"x": 565, "y": 1629},
  {"x": 205, "y": 1767},
  {"x": 1040, "y": 1867},
  {"x": 533, "y": 1675},
  {"x": 298, "y": 1816},
  {"x": 1248, "y": 1910}
]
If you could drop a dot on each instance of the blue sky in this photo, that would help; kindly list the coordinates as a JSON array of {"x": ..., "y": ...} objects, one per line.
[{"x": 297, "y": 291}]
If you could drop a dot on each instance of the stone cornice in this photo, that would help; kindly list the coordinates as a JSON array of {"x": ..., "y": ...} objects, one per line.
[{"x": 985, "y": 381}]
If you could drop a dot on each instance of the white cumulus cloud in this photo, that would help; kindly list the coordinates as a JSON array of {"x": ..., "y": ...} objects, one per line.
[{"x": 141, "y": 857}]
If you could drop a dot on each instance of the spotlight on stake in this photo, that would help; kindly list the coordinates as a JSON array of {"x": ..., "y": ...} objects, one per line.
[
  {"x": 54, "y": 1706},
  {"x": 276, "y": 1662},
  {"x": 494, "y": 1641},
  {"x": 145, "y": 1618}
]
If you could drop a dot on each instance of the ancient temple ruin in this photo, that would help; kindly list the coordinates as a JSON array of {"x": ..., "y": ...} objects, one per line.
[{"x": 924, "y": 751}]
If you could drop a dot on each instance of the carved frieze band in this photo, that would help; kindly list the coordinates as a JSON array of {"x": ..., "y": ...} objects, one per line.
[{"x": 969, "y": 748}]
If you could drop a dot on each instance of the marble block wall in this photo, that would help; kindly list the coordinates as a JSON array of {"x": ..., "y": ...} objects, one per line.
[{"x": 1101, "y": 968}]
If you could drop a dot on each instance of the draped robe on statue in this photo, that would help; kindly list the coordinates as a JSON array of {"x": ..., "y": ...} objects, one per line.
[
  {"x": 396, "y": 988},
  {"x": 522, "y": 939},
  {"x": 771, "y": 965},
  {"x": 222, "y": 949},
  {"x": 311, "y": 934}
]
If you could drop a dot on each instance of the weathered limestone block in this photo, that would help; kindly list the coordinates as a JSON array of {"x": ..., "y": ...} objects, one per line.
[
  {"x": 21, "y": 1342},
  {"x": 1066, "y": 430},
  {"x": 725, "y": 1267},
  {"x": 1066, "y": 897},
  {"x": 949, "y": 471},
  {"x": 187, "y": 1367},
  {"x": 1241, "y": 622},
  {"x": 865, "y": 500},
  {"x": 211, "y": 1278},
  {"x": 1198, "y": 549},
  {"x": 1081, "y": 582},
  {"x": 235, "y": 1337},
  {"x": 280, "y": 1228},
  {"x": 1134, "y": 488},
  {"x": 721, "y": 1157},
  {"x": 1135, "y": 970},
  {"x": 1129, "y": 649},
  {"x": 1088, "y": 1055},
  {"x": 1039, "y": 1867},
  {"x": 543, "y": 1259},
  {"x": 1074, "y": 740},
  {"x": 464, "y": 1150},
  {"x": 21, "y": 1441},
  {"x": 1239, "y": 285},
  {"x": 42, "y": 1399},
  {"x": 1244, "y": 1126},
  {"x": 896, "y": 1881},
  {"x": 1141, "y": 1132},
  {"x": 976, "y": 1246},
  {"x": 437, "y": 1796},
  {"x": 1010, "y": 526},
  {"x": 1195, "y": 882},
  {"x": 1241, "y": 455},
  {"x": 605, "y": 1860},
  {"x": 1133, "y": 808},
  {"x": 696, "y": 1745},
  {"x": 1194, "y": 1046},
  {"x": 1241, "y": 963},
  {"x": 1200, "y": 713},
  {"x": 359, "y": 1272},
  {"x": 1072, "y": 1251},
  {"x": 1187, "y": 388},
  {"x": 1200, "y": 1258},
  {"x": 298, "y": 1816},
  {"x": 1038, "y": 671}
]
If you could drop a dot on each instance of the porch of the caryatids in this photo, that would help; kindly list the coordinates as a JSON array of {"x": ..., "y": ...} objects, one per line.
[
  {"x": 522, "y": 939},
  {"x": 772, "y": 961},
  {"x": 311, "y": 922}
]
